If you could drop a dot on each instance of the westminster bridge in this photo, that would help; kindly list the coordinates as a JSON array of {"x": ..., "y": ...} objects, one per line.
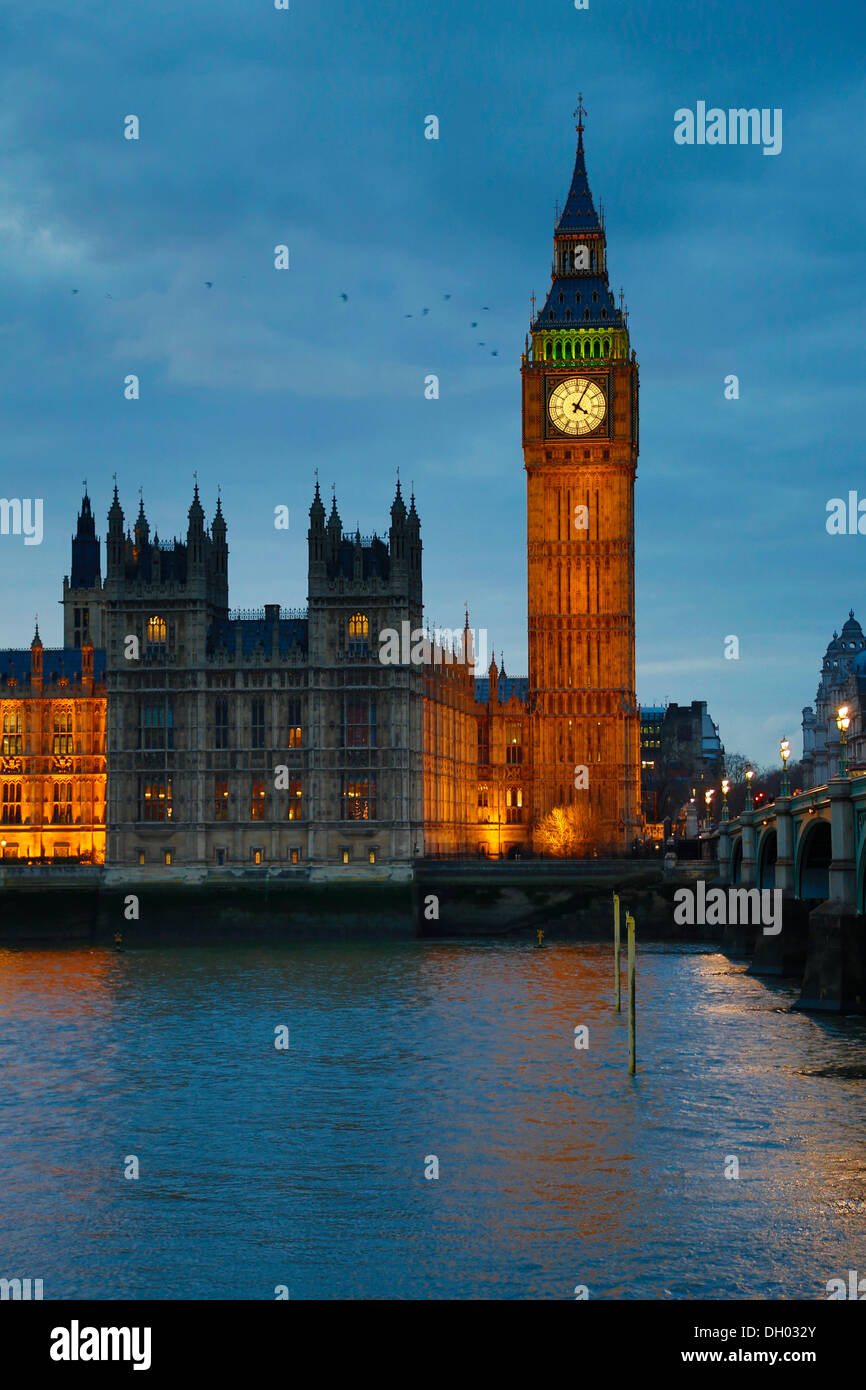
[{"x": 812, "y": 847}]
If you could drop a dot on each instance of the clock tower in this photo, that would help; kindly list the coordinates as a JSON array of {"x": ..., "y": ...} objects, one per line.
[{"x": 580, "y": 445}]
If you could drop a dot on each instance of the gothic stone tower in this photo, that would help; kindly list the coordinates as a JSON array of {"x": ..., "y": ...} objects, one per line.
[{"x": 580, "y": 444}]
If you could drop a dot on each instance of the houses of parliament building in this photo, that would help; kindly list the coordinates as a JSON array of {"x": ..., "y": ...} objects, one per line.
[{"x": 169, "y": 729}]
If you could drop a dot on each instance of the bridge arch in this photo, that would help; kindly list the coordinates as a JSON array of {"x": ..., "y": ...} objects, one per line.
[
  {"x": 861, "y": 878},
  {"x": 737, "y": 860},
  {"x": 814, "y": 852},
  {"x": 767, "y": 854}
]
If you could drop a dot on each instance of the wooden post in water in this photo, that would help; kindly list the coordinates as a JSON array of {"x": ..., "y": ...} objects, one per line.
[
  {"x": 629, "y": 923},
  {"x": 616, "y": 950}
]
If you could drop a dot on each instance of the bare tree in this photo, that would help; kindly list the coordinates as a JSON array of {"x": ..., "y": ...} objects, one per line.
[{"x": 566, "y": 831}]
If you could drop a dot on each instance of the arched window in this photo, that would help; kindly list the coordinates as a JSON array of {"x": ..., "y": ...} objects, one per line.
[
  {"x": 359, "y": 626},
  {"x": 156, "y": 629},
  {"x": 607, "y": 347}
]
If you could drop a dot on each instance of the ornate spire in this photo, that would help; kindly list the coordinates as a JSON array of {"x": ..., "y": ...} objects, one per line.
[
  {"x": 196, "y": 510},
  {"x": 398, "y": 506},
  {"x": 317, "y": 510},
  {"x": 142, "y": 529},
  {"x": 579, "y": 112}
]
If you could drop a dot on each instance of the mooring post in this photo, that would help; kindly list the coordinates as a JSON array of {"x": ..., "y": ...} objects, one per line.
[
  {"x": 629, "y": 922},
  {"x": 616, "y": 949}
]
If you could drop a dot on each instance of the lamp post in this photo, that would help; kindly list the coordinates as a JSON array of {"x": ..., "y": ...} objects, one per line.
[
  {"x": 726, "y": 786},
  {"x": 708, "y": 796},
  {"x": 749, "y": 775},
  {"x": 843, "y": 722},
  {"x": 785, "y": 750}
]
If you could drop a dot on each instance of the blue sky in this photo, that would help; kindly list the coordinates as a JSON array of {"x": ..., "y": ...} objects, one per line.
[{"x": 306, "y": 127}]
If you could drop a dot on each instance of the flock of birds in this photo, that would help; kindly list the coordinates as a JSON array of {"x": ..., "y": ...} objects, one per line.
[{"x": 485, "y": 308}]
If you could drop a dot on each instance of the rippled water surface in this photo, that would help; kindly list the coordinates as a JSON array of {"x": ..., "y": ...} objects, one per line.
[{"x": 306, "y": 1167}]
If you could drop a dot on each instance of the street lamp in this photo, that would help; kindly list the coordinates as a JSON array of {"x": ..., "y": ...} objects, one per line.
[
  {"x": 708, "y": 796},
  {"x": 843, "y": 722},
  {"x": 726, "y": 786},
  {"x": 749, "y": 775},
  {"x": 785, "y": 750}
]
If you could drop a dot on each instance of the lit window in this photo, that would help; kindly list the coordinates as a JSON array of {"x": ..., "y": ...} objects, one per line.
[
  {"x": 358, "y": 799},
  {"x": 359, "y": 626},
  {"x": 295, "y": 809},
  {"x": 155, "y": 800},
  {"x": 156, "y": 629}
]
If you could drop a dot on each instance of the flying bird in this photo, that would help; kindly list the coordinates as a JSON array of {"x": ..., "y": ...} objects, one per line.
[
  {"x": 424, "y": 311},
  {"x": 481, "y": 345},
  {"x": 446, "y": 296},
  {"x": 75, "y": 291},
  {"x": 407, "y": 316},
  {"x": 494, "y": 353},
  {"x": 486, "y": 306},
  {"x": 474, "y": 325},
  {"x": 209, "y": 284},
  {"x": 344, "y": 298}
]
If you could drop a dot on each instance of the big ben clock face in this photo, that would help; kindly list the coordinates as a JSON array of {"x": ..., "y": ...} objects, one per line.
[{"x": 577, "y": 406}]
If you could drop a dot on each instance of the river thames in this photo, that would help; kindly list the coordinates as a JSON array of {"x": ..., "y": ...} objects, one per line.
[{"x": 305, "y": 1167}]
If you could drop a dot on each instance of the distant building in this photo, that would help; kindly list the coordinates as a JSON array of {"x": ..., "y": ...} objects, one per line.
[
  {"x": 842, "y": 682},
  {"x": 681, "y": 754}
]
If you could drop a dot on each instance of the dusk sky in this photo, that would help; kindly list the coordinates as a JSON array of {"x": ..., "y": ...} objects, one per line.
[{"x": 306, "y": 127}]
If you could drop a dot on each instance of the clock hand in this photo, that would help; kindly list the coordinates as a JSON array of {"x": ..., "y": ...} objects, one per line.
[{"x": 585, "y": 389}]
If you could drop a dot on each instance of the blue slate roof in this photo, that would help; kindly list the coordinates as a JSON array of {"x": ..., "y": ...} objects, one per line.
[
  {"x": 579, "y": 214},
  {"x": 508, "y": 686},
  {"x": 577, "y": 300},
  {"x": 255, "y": 634},
  {"x": 56, "y": 662}
]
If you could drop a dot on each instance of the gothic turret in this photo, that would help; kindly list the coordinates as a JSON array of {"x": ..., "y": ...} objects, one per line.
[
  {"x": 316, "y": 539},
  {"x": 398, "y": 532},
  {"x": 115, "y": 543},
  {"x": 85, "y": 572},
  {"x": 493, "y": 680},
  {"x": 196, "y": 536},
  {"x": 220, "y": 553},
  {"x": 36, "y": 662}
]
